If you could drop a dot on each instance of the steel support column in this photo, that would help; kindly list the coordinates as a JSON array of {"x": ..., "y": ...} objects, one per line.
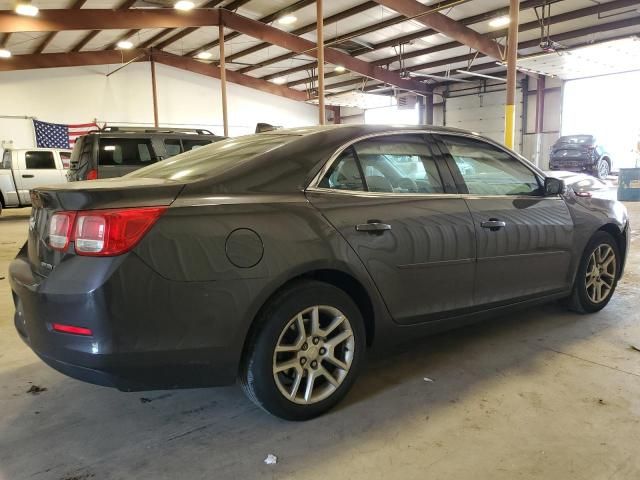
[
  {"x": 154, "y": 90},
  {"x": 320, "y": 42},
  {"x": 512, "y": 58},
  {"x": 223, "y": 82},
  {"x": 540, "y": 87}
]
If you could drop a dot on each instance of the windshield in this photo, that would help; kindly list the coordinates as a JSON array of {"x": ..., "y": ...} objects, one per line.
[
  {"x": 577, "y": 139},
  {"x": 213, "y": 159}
]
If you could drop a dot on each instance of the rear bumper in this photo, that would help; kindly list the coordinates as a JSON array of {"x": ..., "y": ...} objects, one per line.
[{"x": 142, "y": 338}]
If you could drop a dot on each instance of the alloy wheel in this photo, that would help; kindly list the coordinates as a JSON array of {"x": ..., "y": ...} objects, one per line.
[
  {"x": 601, "y": 273},
  {"x": 313, "y": 355},
  {"x": 603, "y": 169}
]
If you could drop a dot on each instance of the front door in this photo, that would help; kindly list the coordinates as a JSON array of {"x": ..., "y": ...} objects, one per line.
[
  {"x": 394, "y": 202},
  {"x": 524, "y": 238}
]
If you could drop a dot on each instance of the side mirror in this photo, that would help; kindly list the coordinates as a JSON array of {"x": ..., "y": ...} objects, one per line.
[{"x": 553, "y": 186}]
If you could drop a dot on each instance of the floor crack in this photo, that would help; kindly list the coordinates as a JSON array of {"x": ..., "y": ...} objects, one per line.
[{"x": 592, "y": 361}]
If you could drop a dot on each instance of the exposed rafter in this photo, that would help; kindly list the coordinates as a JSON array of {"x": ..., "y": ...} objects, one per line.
[
  {"x": 407, "y": 38},
  {"x": 292, "y": 42},
  {"x": 104, "y": 57},
  {"x": 101, "y": 19},
  {"x": 163, "y": 33},
  {"x": 91, "y": 35},
  {"x": 491, "y": 64},
  {"x": 49, "y": 36},
  {"x": 445, "y": 25},
  {"x": 267, "y": 19}
]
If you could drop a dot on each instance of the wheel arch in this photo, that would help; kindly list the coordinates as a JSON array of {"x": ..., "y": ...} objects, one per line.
[
  {"x": 332, "y": 276},
  {"x": 620, "y": 236}
]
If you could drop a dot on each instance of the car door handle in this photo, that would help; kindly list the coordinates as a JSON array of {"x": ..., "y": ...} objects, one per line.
[
  {"x": 493, "y": 224},
  {"x": 27, "y": 176},
  {"x": 373, "y": 227}
]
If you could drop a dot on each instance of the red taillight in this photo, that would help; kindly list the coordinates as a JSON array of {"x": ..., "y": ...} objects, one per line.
[
  {"x": 59, "y": 327},
  {"x": 60, "y": 229},
  {"x": 92, "y": 174},
  {"x": 106, "y": 232}
]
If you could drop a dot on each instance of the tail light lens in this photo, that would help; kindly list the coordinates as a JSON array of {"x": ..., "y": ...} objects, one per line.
[
  {"x": 103, "y": 232},
  {"x": 60, "y": 228},
  {"x": 92, "y": 174}
]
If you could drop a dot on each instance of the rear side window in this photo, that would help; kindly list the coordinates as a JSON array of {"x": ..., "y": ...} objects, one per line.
[
  {"x": 344, "y": 174},
  {"x": 190, "y": 144},
  {"x": 66, "y": 159},
  {"x": 39, "y": 160},
  {"x": 125, "y": 151},
  {"x": 391, "y": 164},
  {"x": 172, "y": 146},
  {"x": 6, "y": 159},
  {"x": 488, "y": 170}
]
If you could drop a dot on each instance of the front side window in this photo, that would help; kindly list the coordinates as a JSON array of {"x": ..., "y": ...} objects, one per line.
[
  {"x": 40, "y": 160},
  {"x": 488, "y": 170},
  {"x": 125, "y": 151}
]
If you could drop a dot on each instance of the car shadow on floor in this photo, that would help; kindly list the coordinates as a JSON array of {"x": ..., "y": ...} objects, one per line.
[{"x": 218, "y": 429}]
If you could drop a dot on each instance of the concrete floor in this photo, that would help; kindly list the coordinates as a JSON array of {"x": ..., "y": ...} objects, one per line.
[{"x": 542, "y": 394}]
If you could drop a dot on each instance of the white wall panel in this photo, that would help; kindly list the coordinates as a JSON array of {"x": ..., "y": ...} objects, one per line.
[{"x": 81, "y": 94}]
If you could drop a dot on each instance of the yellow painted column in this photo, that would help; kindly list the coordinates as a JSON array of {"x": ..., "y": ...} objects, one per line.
[{"x": 512, "y": 58}]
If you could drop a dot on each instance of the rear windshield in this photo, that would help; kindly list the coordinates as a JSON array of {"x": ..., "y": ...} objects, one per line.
[
  {"x": 577, "y": 139},
  {"x": 212, "y": 159}
]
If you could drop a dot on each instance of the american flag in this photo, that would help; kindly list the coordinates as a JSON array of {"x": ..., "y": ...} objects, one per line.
[{"x": 56, "y": 135}]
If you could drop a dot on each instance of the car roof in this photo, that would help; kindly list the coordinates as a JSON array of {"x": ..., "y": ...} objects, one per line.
[
  {"x": 355, "y": 129},
  {"x": 38, "y": 149}
]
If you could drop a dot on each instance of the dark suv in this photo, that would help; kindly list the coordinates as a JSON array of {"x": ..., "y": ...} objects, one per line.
[
  {"x": 116, "y": 151},
  {"x": 580, "y": 153}
]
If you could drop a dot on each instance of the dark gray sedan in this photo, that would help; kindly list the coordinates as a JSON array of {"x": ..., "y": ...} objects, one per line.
[{"x": 282, "y": 258}]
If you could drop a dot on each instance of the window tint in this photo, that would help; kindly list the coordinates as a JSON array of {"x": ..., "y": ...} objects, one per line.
[
  {"x": 6, "y": 159},
  {"x": 125, "y": 151},
  {"x": 172, "y": 146},
  {"x": 66, "y": 159},
  {"x": 193, "y": 144},
  {"x": 40, "y": 160},
  {"x": 398, "y": 164},
  {"x": 344, "y": 174},
  {"x": 488, "y": 170}
]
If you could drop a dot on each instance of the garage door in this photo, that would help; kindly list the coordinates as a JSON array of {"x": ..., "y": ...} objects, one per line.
[{"x": 484, "y": 114}]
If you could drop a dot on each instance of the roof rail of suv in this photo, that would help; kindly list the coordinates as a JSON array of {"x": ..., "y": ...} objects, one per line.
[{"x": 124, "y": 129}]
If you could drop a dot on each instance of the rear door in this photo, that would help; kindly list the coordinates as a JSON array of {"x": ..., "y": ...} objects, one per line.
[
  {"x": 119, "y": 156},
  {"x": 393, "y": 200},
  {"x": 524, "y": 238},
  {"x": 36, "y": 168}
]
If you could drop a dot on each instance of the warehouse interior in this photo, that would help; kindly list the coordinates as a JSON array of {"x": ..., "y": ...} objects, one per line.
[{"x": 543, "y": 393}]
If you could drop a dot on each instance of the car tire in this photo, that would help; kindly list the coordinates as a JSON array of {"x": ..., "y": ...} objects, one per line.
[
  {"x": 589, "y": 295},
  {"x": 602, "y": 169},
  {"x": 286, "y": 324}
]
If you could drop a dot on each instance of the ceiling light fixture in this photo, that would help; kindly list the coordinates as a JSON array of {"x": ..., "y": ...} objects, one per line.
[
  {"x": 184, "y": 5},
  {"x": 204, "y": 55},
  {"x": 4, "y": 53},
  {"x": 280, "y": 81},
  {"x": 287, "y": 19},
  {"x": 339, "y": 69},
  {"x": 124, "y": 44},
  {"x": 500, "y": 21},
  {"x": 27, "y": 9}
]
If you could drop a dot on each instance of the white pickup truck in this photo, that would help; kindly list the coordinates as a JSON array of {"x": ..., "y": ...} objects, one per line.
[{"x": 24, "y": 169}]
